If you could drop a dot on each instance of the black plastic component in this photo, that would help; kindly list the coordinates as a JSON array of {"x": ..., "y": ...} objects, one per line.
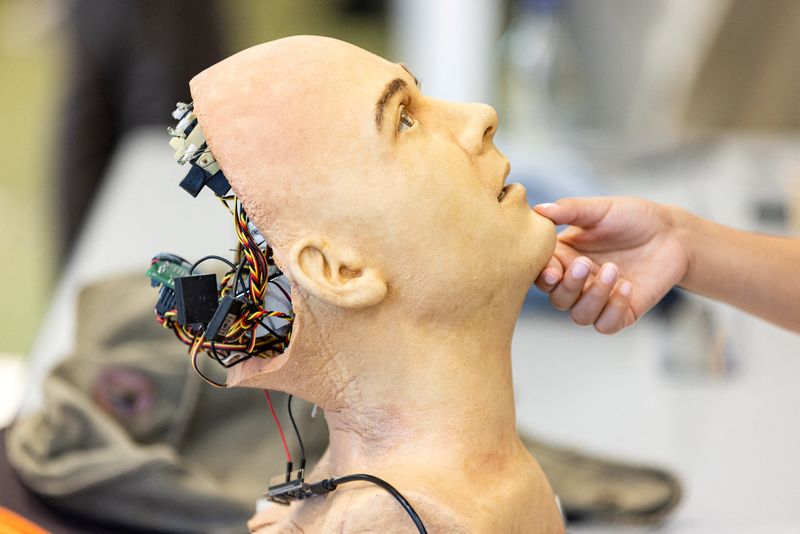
[
  {"x": 194, "y": 181},
  {"x": 294, "y": 490},
  {"x": 228, "y": 310},
  {"x": 322, "y": 487},
  {"x": 198, "y": 177},
  {"x": 166, "y": 300},
  {"x": 196, "y": 297},
  {"x": 219, "y": 184}
]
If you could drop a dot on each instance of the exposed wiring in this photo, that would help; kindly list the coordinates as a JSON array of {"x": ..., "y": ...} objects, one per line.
[
  {"x": 276, "y": 284},
  {"x": 296, "y": 433},
  {"x": 246, "y": 331},
  {"x": 193, "y": 351},
  {"x": 211, "y": 257},
  {"x": 280, "y": 430},
  {"x": 229, "y": 321}
]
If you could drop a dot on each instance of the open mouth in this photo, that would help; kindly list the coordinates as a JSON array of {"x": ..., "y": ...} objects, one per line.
[
  {"x": 512, "y": 193},
  {"x": 502, "y": 194},
  {"x": 503, "y": 191}
]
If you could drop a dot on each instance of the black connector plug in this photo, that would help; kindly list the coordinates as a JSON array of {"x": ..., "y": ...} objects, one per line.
[
  {"x": 228, "y": 311},
  {"x": 166, "y": 300},
  {"x": 194, "y": 180},
  {"x": 218, "y": 183},
  {"x": 198, "y": 177},
  {"x": 322, "y": 487},
  {"x": 196, "y": 298}
]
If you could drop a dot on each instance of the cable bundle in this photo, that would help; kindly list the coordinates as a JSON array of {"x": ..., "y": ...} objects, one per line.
[{"x": 233, "y": 320}]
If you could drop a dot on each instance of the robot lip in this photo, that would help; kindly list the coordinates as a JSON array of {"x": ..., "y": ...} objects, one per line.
[
  {"x": 506, "y": 171},
  {"x": 510, "y": 192}
]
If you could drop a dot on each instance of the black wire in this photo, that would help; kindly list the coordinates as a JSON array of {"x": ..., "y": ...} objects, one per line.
[
  {"x": 296, "y": 433},
  {"x": 280, "y": 287},
  {"x": 238, "y": 275},
  {"x": 211, "y": 257},
  {"x": 270, "y": 330},
  {"x": 388, "y": 487},
  {"x": 174, "y": 258},
  {"x": 216, "y": 354},
  {"x": 204, "y": 376},
  {"x": 218, "y": 358}
]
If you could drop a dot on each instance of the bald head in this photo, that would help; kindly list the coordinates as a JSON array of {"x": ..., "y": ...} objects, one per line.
[
  {"x": 322, "y": 139},
  {"x": 287, "y": 120},
  {"x": 373, "y": 195}
]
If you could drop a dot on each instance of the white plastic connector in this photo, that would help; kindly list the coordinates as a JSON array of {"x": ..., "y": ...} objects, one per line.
[
  {"x": 180, "y": 110},
  {"x": 190, "y": 151},
  {"x": 188, "y": 146},
  {"x": 184, "y": 123}
]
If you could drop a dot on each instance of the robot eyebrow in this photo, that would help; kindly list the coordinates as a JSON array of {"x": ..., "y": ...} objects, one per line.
[{"x": 391, "y": 88}]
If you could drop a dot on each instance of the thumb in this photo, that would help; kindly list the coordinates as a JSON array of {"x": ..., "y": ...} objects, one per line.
[{"x": 582, "y": 212}]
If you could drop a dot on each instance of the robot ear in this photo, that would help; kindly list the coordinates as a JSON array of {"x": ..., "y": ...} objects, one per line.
[{"x": 335, "y": 274}]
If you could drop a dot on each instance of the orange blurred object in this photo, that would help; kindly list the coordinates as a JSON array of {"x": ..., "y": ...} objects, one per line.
[{"x": 12, "y": 523}]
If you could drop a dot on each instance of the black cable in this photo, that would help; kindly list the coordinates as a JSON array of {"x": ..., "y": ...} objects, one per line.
[
  {"x": 174, "y": 258},
  {"x": 211, "y": 257},
  {"x": 204, "y": 376},
  {"x": 280, "y": 287},
  {"x": 296, "y": 433},
  {"x": 237, "y": 276},
  {"x": 270, "y": 330},
  {"x": 330, "y": 484},
  {"x": 215, "y": 354},
  {"x": 219, "y": 360}
]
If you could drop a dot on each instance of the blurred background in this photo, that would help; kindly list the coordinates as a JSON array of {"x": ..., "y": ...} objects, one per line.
[{"x": 693, "y": 103}]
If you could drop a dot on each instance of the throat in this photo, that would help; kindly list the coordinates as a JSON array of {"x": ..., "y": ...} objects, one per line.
[{"x": 427, "y": 420}]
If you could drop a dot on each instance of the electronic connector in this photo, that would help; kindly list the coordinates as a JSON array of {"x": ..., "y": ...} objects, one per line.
[
  {"x": 190, "y": 146},
  {"x": 227, "y": 312},
  {"x": 290, "y": 487},
  {"x": 165, "y": 268},
  {"x": 196, "y": 298},
  {"x": 249, "y": 312},
  {"x": 163, "y": 271}
]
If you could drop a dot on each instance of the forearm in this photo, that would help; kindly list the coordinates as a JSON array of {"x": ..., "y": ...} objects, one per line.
[{"x": 756, "y": 273}]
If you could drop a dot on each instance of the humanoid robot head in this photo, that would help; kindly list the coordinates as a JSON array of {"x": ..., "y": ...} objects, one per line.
[
  {"x": 408, "y": 256},
  {"x": 371, "y": 193}
]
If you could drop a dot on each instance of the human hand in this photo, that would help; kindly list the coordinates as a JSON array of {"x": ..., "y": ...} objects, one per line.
[{"x": 617, "y": 259}]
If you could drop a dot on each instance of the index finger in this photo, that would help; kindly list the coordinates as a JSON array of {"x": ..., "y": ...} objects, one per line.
[{"x": 582, "y": 212}]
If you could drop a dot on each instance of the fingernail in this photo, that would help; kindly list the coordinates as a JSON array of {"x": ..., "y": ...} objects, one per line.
[
  {"x": 625, "y": 289},
  {"x": 550, "y": 277},
  {"x": 547, "y": 205},
  {"x": 580, "y": 269},
  {"x": 608, "y": 274}
]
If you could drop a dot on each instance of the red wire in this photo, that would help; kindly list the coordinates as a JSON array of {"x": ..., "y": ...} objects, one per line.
[{"x": 278, "y": 424}]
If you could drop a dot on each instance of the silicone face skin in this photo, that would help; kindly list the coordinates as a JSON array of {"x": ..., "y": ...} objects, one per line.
[
  {"x": 316, "y": 146},
  {"x": 409, "y": 263}
]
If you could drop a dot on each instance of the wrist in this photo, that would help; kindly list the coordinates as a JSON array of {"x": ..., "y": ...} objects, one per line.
[{"x": 682, "y": 226}]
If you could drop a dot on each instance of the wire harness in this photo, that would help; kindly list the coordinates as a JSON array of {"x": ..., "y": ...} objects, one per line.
[{"x": 248, "y": 312}]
